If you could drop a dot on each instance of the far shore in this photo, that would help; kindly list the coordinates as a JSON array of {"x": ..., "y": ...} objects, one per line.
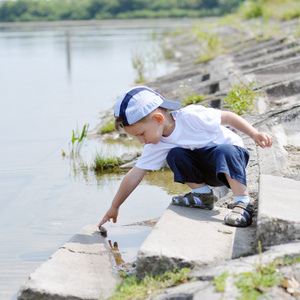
[{"x": 103, "y": 24}]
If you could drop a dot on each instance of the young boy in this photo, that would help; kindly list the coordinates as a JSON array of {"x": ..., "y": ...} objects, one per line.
[{"x": 200, "y": 151}]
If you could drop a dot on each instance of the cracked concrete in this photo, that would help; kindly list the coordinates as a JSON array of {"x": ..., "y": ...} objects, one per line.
[{"x": 81, "y": 269}]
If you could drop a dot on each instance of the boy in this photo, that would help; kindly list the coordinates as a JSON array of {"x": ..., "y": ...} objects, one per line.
[{"x": 200, "y": 151}]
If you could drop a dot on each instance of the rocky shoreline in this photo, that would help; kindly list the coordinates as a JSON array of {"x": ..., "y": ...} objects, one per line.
[
  {"x": 273, "y": 175},
  {"x": 273, "y": 64}
]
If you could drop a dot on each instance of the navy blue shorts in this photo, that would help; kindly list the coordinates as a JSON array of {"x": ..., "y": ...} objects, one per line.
[{"x": 209, "y": 164}]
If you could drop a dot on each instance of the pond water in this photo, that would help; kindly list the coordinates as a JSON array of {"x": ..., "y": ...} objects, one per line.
[{"x": 53, "y": 79}]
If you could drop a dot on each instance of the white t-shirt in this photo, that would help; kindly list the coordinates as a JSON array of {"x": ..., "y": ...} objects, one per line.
[{"x": 195, "y": 127}]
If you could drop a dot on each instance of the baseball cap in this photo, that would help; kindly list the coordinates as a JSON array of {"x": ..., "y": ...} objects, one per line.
[{"x": 139, "y": 102}]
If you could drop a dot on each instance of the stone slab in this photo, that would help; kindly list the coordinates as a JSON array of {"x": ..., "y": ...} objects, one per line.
[
  {"x": 81, "y": 269},
  {"x": 187, "y": 237},
  {"x": 278, "y": 218}
]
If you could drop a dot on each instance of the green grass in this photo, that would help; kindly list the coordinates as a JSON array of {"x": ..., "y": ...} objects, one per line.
[
  {"x": 267, "y": 9},
  {"x": 241, "y": 98},
  {"x": 253, "y": 285},
  {"x": 193, "y": 98},
  {"x": 211, "y": 44},
  {"x": 132, "y": 288},
  {"x": 78, "y": 136},
  {"x": 104, "y": 162},
  {"x": 219, "y": 282},
  {"x": 108, "y": 127}
]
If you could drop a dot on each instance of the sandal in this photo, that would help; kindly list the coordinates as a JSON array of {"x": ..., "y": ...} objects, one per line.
[
  {"x": 196, "y": 200},
  {"x": 240, "y": 216}
]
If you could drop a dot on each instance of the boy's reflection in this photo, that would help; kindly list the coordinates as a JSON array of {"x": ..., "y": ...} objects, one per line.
[{"x": 116, "y": 253}]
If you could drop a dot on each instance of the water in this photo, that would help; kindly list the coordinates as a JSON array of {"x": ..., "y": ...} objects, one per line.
[{"x": 52, "y": 80}]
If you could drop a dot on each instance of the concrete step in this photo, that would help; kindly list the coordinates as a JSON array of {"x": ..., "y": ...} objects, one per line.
[
  {"x": 188, "y": 237},
  {"x": 81, "y": 269},
  {"x": 278, "y": 219}
]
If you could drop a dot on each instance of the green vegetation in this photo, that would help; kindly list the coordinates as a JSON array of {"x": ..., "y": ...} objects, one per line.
[
  {"x": 266, "y": 9},
  {"x": 42, "y": 10},
  {"x": 241, "y": 98},
  {"x": 188, "y": 96},
  {"x": 132, "y": 288},
  {"x": 104, "y": 162},
  {"x": 219, "y": 282},
  {"x": 193, "y": 98},
  {"x": 211, "y": 43},
  {"x": 253, "y": 285},
  {"x": 78, "y": 138},
  {"x": 108, "y": 127}
]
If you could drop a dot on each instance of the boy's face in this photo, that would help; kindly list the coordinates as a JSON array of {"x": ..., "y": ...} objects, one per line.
[{"x": 148, "y": 131}]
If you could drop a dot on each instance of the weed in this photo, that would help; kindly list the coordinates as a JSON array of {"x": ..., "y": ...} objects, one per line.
[
  {"x": 144, "y": 62},
  {"x": 241, "y": 97},
  {"x": 193, "y": 99},
  {"x": 253, "y": 285},
  {"x": 105, "y": 163},
  {"x": 139, "y": 64},
  {"x": 219, "y": 282},
  {"x": 132, "y": 288},
  {"x": 108, "y": 127},
  {"x": 211, "y": 44},
  {"x": 188, "y": 96},
  {"x": 78, "y": 137}
]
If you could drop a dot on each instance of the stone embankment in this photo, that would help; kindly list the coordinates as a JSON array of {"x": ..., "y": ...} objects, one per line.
[{"x": 82, "y": 269}]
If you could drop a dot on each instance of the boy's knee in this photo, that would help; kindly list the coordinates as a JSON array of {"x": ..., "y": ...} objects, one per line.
[{"x": 175, "y": 154}]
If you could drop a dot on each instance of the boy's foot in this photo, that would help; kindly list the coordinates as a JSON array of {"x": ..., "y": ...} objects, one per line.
[
  {"x": 240, "y": 216},
  {"x": 203, "y": 201}
]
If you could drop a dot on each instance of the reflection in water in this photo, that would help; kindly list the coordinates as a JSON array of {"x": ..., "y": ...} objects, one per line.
[
  {"x": 116, "y": 253},
  {"x": 68, "y": 51}
]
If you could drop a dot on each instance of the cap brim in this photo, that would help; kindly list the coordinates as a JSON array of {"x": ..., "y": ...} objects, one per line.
[{"x": 170, "y": 104}]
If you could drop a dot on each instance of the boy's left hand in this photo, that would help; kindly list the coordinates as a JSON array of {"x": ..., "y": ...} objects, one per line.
[{"x": 263, "y": 139}]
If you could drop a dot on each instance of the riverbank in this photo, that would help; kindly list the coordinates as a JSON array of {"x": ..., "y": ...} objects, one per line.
[{"x": 273, "y": 64}]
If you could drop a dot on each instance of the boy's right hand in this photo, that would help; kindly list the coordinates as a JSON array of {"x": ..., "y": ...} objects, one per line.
[{"x": 112, "y": 213}]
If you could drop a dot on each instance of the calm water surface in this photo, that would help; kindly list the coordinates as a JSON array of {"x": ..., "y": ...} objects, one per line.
[{"x": 52, "y": 80}]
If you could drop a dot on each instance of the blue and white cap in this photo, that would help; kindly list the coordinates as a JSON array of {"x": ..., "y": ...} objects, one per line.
[{"x": 139, "y": 102}]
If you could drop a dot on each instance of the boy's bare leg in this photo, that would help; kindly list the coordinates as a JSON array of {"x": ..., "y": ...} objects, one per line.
[
  {"x": 193, "y": 185},
  {"x": 238, "y": 189},
  {"x": 241, "y": 215}
]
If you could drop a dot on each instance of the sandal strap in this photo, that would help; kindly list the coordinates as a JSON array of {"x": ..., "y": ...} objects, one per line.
[
  {"x": 244, "y": 206},
  {"x": 189, "y": 196}
]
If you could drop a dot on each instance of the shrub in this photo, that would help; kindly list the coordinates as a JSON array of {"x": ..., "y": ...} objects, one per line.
[{"x": 241, "y": 98}]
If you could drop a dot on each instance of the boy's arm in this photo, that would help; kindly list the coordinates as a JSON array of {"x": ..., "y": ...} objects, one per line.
[
  {"x": 128, "y": 184},
  {"x": 261, "y": 138}
]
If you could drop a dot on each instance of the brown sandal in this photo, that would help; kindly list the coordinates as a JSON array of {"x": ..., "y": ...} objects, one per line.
[{"x": 240, "y": 216}]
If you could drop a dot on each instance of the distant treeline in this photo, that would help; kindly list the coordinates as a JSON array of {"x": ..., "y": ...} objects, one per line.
[{"x": 42, "y": 10}]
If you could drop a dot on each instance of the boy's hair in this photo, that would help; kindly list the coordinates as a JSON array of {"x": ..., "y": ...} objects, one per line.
[{"x": 118, "y": 124}]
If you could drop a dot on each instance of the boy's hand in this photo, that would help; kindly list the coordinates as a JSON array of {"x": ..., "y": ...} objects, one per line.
[
  {"x": 112, "y": 213},
  {"x": 263, "y": 139}
]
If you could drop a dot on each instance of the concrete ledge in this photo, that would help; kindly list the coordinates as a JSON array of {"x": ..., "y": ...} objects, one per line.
[
  {"x": 278, "y": 210},
  {"x": 81, "y": 269},
  {"x": 188, "y": 237}
]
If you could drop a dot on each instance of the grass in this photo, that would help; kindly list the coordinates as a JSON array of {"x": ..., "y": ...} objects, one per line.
[
  {"x": 188, "y": 96},
  {"x": 211, "y": 43},
  {"x": 144, "y": 62},
  {"x": 253, "y": 285},
  {"x": 78, "y": 137},
  {"x": 241, "y": 98},
  {"x": 149, "y": 286},
  {"x": 193, "y": 98},
  {"x": 104, "y": 162},
  {"x": 267, "y": 9},
  {"x": 220, "y": 281},
  {"x": 108, "y": 127}
]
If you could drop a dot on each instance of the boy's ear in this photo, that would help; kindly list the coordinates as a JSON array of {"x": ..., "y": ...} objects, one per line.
[{"x": 159, "y": 118}]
